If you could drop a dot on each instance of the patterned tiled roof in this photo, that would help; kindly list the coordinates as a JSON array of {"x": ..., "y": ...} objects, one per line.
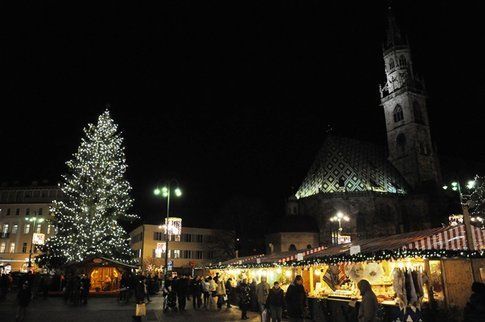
[{"x": 348, "y": 165}]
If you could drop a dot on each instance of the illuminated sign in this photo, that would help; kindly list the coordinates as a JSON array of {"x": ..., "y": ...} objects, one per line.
[{"x": 38, "y": 239}]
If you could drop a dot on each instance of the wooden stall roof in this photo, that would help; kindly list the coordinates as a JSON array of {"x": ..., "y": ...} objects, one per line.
[
  {"x": 448, "y": 238},
  {"x": 100, "y": 260}
]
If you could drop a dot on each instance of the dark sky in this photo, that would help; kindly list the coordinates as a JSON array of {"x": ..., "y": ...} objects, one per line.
[{"x": 229, "y": 97}]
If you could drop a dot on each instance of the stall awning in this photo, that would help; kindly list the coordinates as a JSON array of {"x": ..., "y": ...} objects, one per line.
[{"x": 450, "y": 238}]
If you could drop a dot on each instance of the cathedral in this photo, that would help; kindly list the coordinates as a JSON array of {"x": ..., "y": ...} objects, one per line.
[{"x": 380, "y": 191}]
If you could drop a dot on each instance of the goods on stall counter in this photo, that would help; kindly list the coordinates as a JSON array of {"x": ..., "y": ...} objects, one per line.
[
  {"x": 373, "y": 272},
  {"x": 408, "y": 285}
]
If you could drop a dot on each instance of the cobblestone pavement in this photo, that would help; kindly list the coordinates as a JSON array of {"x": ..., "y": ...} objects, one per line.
[{"x": 107, "y": 310}]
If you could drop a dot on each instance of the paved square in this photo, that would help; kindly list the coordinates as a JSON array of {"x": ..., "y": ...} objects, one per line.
[{"x": 107, "y": 309}]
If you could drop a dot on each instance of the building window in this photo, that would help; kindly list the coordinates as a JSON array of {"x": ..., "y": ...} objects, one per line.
[
  {"x": 187, "y": 238},
  {"x": 210, "y": 254},
  {"x": 5, "y": 229},
  {"x": 27, "y": 228},
  {"x": 391, "y": 63},
  {"x": 8, "y": 212},
  {"x": 402, "y": 61},
  {"x": 401, "y": 142},
  {"x": 418, "y": 115},
  {"x": 176, "y": 253},
  {"x": 38, "y": 229},
  {"x": 199, "y": 238},
  {"x": 40, "y": 212},
  {"x": 158, "y": 236},
  {"x": 292, "y": 248},
  {"x": 398, "y": 114},
  {"x": 48, "y": 229},
  {"x": 2, "y": 247},
  {"x": 17, "y": 212},
  {"x": 27, "y": 212},
  {"x": 187, "y": 254},
  {"x": 12, "y": 247},
  {"x": 24, "y": 248},
  {"x": 15, "y": 228},
  {"x": 199, "y": 254}
]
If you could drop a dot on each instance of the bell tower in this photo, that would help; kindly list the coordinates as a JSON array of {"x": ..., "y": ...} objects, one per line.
[{"x": 403, "y": 98}]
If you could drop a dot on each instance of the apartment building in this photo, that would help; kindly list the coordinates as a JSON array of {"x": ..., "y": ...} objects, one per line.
[{"x": 24, "y": 217}]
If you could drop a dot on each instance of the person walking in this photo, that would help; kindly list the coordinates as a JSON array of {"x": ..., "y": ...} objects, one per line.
[
  {"x": 296, "y": 300},
  {"x": 275, "y": 302},
  {"x": 182, "y": 289},
  {"x": 220, "y": 292},
  {"x": 244, "y": 298},
  {"x": 23, "y": 298},
  {"x": 212, "y": 292},
  {"x": 368, "y": 306},
  {"x": 229, "y": 292},
  {"x": 206, "y": 292},
  {"x": 262, "y": 291},
  {"x": 196, "y": 290},
  {"x": 85, "y": 286},
  {"x": 139, "y": 296}
]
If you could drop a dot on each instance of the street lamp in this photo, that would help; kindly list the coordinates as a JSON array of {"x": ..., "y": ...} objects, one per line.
[
  {"x": 166, "y": 192},
  {"x": 455, "y": 186},
  {"x": 33, "y": 220},
  {"x": 339, "y": 217}
]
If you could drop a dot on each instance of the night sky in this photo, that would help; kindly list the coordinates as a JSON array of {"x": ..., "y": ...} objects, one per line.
[{"x": 231, "y": 98}]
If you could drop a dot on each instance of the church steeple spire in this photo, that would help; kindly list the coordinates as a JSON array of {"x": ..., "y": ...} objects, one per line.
[
  {"x": 404, "y": 101},
  {"x": 394, "y": 35}
]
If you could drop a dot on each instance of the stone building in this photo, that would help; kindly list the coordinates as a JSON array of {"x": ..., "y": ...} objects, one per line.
[
  {"x": 17, "y": 204},
  {"x": 382, "y": 191}
]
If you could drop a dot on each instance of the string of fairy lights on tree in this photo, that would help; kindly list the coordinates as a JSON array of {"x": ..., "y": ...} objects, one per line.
[
  {"x": 96, "y": 199},
  {"x": 361, "y": 257}
]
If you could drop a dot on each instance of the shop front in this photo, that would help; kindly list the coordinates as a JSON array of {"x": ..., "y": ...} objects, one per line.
[{"x": 409, "y": 273}]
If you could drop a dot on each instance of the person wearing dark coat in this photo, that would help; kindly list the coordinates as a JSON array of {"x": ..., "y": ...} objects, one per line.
[
  {"x": 196, "y": 290},
  {"x": 229, "y": 292},
  {"x": 368, "y": 306},
  {"x": 140, "y": 290},
  {"x": 475, "y": 308},
  {"x": 85, "y": 286},
  {"x": 244, "y": 299},
  {"x": 275, "y": 302},
  {"x": 182, "y": 289},
  {"x": 23, "y": 298},
  {"x": 296, "y": 300}
]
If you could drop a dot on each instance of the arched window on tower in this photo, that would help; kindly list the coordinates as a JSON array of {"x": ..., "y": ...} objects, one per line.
[
  {"x": 401, "y": 142},
  {"x": 391, "y": 63},
  {"x": 418, "y": 113},
  {"x": 402, "y": 61},
  {"x": 292, "y": 248},
  {"x": 398, "y": 114}
]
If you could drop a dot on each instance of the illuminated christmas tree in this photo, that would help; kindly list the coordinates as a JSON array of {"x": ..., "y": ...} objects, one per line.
[{"x": 96, "y": 199}]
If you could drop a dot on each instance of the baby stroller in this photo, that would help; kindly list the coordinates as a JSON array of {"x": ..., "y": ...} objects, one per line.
[{"x": 169, "y": 300}]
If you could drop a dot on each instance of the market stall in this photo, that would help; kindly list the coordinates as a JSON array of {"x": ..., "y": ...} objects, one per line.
[
  {"x": 104, "y": 273},
  {"x": 407, "y": 272}
]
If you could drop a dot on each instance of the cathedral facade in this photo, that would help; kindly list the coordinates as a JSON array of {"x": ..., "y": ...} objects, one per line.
[{"x": 381, "y": 192}]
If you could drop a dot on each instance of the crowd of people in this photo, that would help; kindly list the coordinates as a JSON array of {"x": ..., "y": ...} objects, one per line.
[{"x": 212, "y": 293}]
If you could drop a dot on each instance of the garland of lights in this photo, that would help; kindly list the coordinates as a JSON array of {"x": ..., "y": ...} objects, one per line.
[
  {"x": 96, "y": 198},
  {"x": 362, "y": 257}
]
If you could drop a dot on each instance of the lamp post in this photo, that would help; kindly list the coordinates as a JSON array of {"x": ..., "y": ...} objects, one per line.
[
  {"x": 455, "y": 186},
  {"x": 166, "y": 192},
  {"x": 338, "y": 218},
  {"x": 33, "y": 220}
]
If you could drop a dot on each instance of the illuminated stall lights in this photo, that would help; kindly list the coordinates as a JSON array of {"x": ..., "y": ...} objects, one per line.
[{"x": 362, "y": 257}]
